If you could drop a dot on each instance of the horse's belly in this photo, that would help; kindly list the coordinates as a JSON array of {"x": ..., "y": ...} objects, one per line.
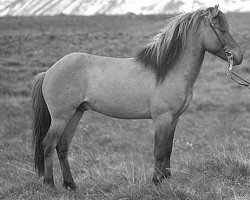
[{"x": 120, "y": 106}]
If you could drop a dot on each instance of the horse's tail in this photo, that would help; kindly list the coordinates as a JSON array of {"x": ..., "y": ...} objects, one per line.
[{"x": 41, "y": 122}]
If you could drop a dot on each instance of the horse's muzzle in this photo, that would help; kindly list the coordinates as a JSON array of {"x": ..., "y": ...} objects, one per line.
[{"x": 238, "y": 56}]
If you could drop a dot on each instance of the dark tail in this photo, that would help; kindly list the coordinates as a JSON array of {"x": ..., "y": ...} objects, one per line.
[{"x": 41, "y": 122}]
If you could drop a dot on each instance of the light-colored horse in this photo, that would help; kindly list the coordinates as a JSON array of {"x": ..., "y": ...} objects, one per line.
[{"x": 157, "y": 84}]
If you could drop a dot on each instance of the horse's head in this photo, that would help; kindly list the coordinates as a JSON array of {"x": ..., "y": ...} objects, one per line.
[{"x": 216, "y": 36}]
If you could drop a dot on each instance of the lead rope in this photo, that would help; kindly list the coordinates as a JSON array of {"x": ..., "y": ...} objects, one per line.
[{"x": 230, "y": 72}]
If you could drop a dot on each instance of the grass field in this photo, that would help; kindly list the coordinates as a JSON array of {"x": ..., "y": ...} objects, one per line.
[{"x": 112, "y": 158}]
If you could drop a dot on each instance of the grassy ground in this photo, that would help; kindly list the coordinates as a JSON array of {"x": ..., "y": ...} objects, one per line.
[{"x": 112, "y": 158}]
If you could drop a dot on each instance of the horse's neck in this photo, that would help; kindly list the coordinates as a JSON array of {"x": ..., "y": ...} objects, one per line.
[{"x": 190, "y": 62}]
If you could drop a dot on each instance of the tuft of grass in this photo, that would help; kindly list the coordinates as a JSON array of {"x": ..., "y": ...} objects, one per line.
[{"x": 223, "y": 172}]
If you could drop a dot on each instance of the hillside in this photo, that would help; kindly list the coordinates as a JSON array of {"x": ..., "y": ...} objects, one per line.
[{"x": 113, "y": 7}]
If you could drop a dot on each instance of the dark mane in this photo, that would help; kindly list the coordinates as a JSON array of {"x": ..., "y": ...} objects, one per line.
[{"x": 165, "y": 48}]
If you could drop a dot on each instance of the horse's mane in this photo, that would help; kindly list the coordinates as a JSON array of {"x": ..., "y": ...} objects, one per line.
[{"x": 165, "y": 48}]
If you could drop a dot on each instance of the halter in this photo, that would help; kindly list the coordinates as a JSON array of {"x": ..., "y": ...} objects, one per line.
[{"x": 230, "y": 59}]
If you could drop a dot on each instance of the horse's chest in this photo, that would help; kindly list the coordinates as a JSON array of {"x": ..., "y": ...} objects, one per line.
[{"x": 175, "y": 101}]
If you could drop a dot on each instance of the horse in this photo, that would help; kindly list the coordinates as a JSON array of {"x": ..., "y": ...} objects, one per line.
[{"x": 156, "y": 84}]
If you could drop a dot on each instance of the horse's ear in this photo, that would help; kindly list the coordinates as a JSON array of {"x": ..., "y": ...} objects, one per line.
[{"x": 213, "y": 12}]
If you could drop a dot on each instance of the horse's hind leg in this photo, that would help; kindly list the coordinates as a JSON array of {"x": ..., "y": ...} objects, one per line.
[
  {"x": 63, "y": 148},
  {"x": 55, "y": 131}
]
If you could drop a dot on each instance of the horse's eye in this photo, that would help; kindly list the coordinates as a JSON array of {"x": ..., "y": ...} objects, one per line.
[{"x": 214, "y": 23}]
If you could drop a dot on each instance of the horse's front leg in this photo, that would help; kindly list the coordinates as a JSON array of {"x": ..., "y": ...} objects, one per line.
[{"x": 164, "y": 134}]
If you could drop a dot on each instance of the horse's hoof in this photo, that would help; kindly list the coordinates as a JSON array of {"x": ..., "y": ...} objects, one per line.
[
  {"x": 167, "y": 175},
  {"x": 50, "y": 183},
  {"x": 70, "y": 184},
  {"x": 157, "y": 180}
]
